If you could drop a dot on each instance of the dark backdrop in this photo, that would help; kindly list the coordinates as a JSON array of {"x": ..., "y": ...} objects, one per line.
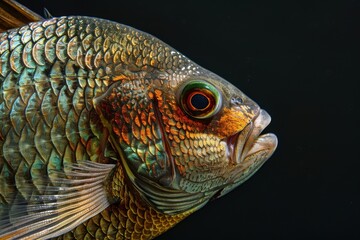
[{"x": 299, "y": 61}]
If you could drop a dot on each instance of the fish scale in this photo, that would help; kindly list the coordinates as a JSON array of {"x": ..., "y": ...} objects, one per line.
[{"x": 52, "y": 71}]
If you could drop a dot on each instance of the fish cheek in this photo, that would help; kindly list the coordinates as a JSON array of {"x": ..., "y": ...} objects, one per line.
[
  {"x": 199, "y": 146},
  {"x": 198, "y": 153}
]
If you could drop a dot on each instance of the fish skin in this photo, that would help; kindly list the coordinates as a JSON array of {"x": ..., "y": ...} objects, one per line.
[
  {"x": 80, "y": 88},
  {"x": 54, "y": 87}
]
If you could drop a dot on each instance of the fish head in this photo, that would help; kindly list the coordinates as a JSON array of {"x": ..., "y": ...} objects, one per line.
[
  {"x": 184, "y": 134},
  {"x": 213, "y": 132}
]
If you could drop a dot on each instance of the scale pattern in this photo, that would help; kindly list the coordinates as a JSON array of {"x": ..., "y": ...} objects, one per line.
[{"x": 50, "y": 73}]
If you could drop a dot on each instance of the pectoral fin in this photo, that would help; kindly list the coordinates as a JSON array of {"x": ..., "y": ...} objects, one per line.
[
  {"x": 76, "y": 195},
  {"x": 14, "y": 15}
]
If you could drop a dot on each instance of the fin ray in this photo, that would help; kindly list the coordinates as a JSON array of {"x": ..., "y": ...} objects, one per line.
[
  {"x": 14, "y": 14},
  {"x": 79, "y": 196}
]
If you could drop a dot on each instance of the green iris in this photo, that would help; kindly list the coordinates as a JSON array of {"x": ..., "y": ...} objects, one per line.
[{"x": 200, "y": 99}]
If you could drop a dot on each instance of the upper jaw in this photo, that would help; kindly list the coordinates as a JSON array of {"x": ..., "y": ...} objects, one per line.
[{"x": 249, "y": 141}]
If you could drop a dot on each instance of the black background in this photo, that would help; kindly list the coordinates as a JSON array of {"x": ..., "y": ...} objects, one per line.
[{"x": 300, "y": 61}]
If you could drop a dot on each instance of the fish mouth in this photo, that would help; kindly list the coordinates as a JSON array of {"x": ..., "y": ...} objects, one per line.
[{"x": 249, "y": 141}]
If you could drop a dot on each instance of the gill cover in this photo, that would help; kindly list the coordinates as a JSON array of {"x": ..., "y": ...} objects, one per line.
[{"x": 131, "y": 113}]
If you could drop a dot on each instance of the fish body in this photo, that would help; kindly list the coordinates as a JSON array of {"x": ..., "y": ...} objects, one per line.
[{"x": 109, "y": 133}]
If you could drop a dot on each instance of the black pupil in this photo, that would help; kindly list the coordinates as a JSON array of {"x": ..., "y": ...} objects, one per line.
[{"x": 199, "y": 101}]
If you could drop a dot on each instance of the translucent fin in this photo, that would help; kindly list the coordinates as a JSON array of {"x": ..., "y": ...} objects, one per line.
[
  {"x": 76, "y": 195},
  {"x": 47, "y": 14},
  {"x": 14, "y": 15}
]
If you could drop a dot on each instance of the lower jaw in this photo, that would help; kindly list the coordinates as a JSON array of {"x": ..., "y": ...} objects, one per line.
[
  {"x": 265, "y": 142},
  {"x": 261, "y": 150}
]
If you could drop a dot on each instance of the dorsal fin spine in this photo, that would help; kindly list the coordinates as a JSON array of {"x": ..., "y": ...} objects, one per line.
[{"x": 14, "y": 15}]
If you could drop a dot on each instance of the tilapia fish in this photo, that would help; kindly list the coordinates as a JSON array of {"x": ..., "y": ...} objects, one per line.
[{"x": 106, "y": 132}]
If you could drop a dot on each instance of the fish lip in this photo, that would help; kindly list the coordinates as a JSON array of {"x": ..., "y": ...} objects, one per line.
[
  {"x": 231, "y": 143},
  {"x": 240, "y": 144},
  {"x": 236, "y": 142}
]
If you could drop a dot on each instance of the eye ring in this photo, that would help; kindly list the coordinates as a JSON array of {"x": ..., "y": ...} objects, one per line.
[{"x": 200, "y": 99}]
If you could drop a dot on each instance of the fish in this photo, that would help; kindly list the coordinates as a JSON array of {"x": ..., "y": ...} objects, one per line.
[{"x": 106, "y": 132}]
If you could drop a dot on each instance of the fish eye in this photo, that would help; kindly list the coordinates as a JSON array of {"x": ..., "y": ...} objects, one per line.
[{"x": 200, "y": 99}]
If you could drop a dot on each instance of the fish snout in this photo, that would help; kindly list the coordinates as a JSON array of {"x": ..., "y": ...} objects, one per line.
[
  {"x": 249, "y": 141},
  {"x": 257, "y": 143}
]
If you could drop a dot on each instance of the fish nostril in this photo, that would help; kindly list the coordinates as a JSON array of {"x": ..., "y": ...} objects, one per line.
[{"x": 236, "y": 101}]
